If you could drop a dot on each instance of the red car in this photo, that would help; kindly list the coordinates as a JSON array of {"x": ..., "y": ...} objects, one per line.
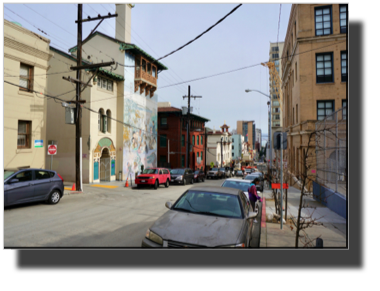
[{"x": 154, "y": 177}]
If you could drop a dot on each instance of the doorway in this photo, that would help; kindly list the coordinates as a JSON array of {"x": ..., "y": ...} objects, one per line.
[{"x": 105, "y": 166}]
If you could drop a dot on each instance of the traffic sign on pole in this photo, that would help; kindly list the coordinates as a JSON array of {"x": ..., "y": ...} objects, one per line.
[{"x": 52, "y": 149}]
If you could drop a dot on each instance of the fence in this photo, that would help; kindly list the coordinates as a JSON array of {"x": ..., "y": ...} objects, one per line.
[{"x": 331, "y": 151}]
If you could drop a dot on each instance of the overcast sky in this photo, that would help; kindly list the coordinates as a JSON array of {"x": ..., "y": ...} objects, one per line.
[{"x": 242, "y": 39}]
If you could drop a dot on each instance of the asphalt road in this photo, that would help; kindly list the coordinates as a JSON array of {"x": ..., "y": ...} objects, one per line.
[{"x": 98, "y": 217}]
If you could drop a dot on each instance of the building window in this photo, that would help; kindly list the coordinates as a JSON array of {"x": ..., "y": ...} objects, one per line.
[
  {"x": 232, "y": 140},
  {"x": 296, "y": 71},
  {"x": 275, "y": 49},
  {"x": 154, "y": 72},
  {"x": 201, "y": 156},
  {"x": 164, "y": 121},
  {"x": 197, "y": 155},
  {"x": 274, "y": 56},
  {"x": 276, "y": 117},
  {"x": 198, "y": 140},
  {"x": 183, "y": 140},
  {"x": 343, "y": 18},
  {"x": 23, "y": 137},
  {"x": 344, "y": 110},
  {"x": 323, "y": 21},
  {"x": 324, "y": 67},
  {"x": 193, "y": 139},
  {"x": 343, "y": 57},
  {"x": 276, "y": 103},
  {"x": 296, "y": 113},
  {"x": 232, "y": 146},
  {"x": 163, "y": 140},
  {"x": 105, "y": 84},
  {"x": 26, "y": 78},
  {"x": 201, "y": 139},
  {"x": 149, "y": 69},
  {"x": 102, "y": 121},
  {"x": 109, "y": 121},
  {"x": 183, "y": 161},
  {"x": 143, "y": 66},
  {"x": 325, "y": 108}
]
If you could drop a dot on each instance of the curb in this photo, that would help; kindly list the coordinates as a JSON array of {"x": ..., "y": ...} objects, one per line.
[{"x": 263, "y": 214}]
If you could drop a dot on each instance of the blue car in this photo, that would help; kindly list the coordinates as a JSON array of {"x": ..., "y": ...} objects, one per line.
[{"x": 31, "y": 185}]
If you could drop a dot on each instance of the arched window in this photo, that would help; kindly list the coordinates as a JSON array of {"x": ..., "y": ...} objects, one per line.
[
  {"x": 102, "y": 121},
  {"x": 109, "y": 121}
]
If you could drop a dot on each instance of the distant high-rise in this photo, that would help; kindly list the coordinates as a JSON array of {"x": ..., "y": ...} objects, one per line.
[{"x": 248, "y": 130}]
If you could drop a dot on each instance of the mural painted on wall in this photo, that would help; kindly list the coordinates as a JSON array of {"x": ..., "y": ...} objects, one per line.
[{"x": 140, "y": 138}]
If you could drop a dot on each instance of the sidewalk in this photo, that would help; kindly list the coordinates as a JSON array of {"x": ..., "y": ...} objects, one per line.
[
  {"x": 333, "y": 230},
  {"x": 108, "y": 185}
]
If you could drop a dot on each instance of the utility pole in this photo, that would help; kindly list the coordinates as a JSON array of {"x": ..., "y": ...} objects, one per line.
[
  {"x": 221, "y": 151},
  {"x": 188, "y": 126},
  {"x": 282, "y": 213},
  {"x": 205, "y": 149},
  {"x": 78, "y": 101}
]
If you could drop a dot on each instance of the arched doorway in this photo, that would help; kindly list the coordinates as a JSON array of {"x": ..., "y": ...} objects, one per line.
[{"x": 105, "y": 165}]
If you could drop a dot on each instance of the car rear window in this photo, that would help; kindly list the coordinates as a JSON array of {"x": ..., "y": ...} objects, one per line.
[
  {"x": 177, "y": 171},
  {"x": 243, "y": 186},
  {"x": 209, "y": 203}
]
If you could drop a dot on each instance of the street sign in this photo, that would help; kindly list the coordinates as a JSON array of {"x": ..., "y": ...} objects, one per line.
[
  {"x": 52, "y": 149},
  {"x": 38, "y": 143},
  {"x": 278, "y": 186}
]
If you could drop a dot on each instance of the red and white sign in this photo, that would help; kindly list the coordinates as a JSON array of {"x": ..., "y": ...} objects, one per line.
[{"x": 52, "y": 149}]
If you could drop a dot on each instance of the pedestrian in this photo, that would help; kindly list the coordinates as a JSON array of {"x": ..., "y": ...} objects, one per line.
[{"x": 252, "y": 192}]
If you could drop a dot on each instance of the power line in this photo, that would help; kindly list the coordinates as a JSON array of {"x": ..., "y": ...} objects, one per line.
[
  {"x": 251, "y": 66},
  {"x": 207, "y": 30}
]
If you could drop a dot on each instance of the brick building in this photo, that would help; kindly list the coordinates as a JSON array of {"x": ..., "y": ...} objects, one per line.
[
  {"x": 313, "y": 73},
  {"x": 172, "y": 136}
]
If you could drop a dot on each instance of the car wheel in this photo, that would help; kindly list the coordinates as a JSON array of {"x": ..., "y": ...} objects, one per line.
[
  {"x": 155, "y": 185},
  {"x": 192, "y": 181},
  {"x": 167, "y": 184},
  {"x": 54, "y": 197}
]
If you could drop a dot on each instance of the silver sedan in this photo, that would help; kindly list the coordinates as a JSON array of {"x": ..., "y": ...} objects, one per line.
[{"x": 204, "y": 217}]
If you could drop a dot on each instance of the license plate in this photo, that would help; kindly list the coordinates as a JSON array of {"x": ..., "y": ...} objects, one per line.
[{"x": 142, "y": 181}]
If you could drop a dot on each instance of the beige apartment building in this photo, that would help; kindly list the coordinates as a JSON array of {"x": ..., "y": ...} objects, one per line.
[
  {"x": 248, "y": 130},
  {"x": 314, "y": 74},
  {"x": 26, "y": 57}
]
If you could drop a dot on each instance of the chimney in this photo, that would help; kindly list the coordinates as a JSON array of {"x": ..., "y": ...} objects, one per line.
[{"x": 123, "y": 22}]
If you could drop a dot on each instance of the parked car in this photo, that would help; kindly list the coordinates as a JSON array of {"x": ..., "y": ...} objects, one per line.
[
  {"x": 225, "y": 172},
  {"x": 204, "y": 216},
  {"x": 214, "y": 173},
  {"x": 240, "y": 184},
  {"x": 30, "y": 185},
  {"x": 199, "y": 176},
  {"x": 182, "y": 176},
  {"x": 239, "y": 173},
  {"x": 247, "y": 172},
  {"x": 153, "y": 177},
  {"x": 253, "y": 176}
]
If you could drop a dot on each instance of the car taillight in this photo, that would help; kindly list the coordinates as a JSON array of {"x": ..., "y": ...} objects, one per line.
[{"x": 60, "y": 177}]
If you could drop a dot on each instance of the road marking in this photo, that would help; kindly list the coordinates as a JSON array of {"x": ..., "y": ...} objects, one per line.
[
  {"x": 104, "y": 186},
  {"x": 67, "y": 188}
]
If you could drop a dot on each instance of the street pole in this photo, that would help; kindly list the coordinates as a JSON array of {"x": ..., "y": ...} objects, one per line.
[
  {"x": 78, "y": 124},
  {"x": 205, "y": 141},
  {"x": 282, "y": 213},
  {"x": 168, "y": 151},
  {"x": 270, "y": 133},
  {"x": 188, "y": 132},
  {"x": 221, "y": 151}
]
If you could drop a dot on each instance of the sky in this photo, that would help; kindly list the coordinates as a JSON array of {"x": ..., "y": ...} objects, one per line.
[{"x": 241, "y": 40}]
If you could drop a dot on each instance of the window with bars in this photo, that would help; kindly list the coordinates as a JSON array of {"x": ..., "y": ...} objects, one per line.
[
  {"x": 325, "y": 109},
  {"x": 343, "y": 18},
  {"x": 323, "y": 21},
  {"x": 24, "y": 134},
  {"x": 344, "y": 110},
  {"x": 163, "y": 140},
  {"x": 324, "y": 67},
  {"x": 26, "y": 78},
  {"x": 105, "y": 84},
  {"x": 343, "y": 58}
]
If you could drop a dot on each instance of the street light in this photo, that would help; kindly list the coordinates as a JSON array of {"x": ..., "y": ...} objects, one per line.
[{"x": 270, "y": 126}]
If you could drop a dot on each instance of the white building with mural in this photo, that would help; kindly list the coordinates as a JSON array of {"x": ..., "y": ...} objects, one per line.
[{"x": 119, "y": 133}]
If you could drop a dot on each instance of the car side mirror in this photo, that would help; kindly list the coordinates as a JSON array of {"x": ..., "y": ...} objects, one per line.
[
  {"x": 252, "y": 215},
  {"x": 168, "y": 205},
  {"x": 13, "y": 181}
]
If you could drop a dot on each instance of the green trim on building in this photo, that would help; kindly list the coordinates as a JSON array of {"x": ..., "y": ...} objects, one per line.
[
  {"x": 107, "y": 73},
  {"x": 124, "y": 46}
]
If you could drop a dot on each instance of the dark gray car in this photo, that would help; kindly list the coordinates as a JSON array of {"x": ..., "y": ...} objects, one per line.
[
  {"x": 182, "y": 176},
  {"x": 30, "y": 185},
  {"x": 204, "y": 217}
]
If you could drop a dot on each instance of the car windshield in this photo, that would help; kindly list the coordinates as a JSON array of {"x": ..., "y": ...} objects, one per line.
[
  {"x": 150, "y": 171},
  {"x": 243, "y": 186},
  {"x": 214, "y": 169},
  {"x": 209, "y": 203},
  {"x": 177, "y": 171},
  {"x": 7, "y": 173},
  {"x": 251, "y": 177}
]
